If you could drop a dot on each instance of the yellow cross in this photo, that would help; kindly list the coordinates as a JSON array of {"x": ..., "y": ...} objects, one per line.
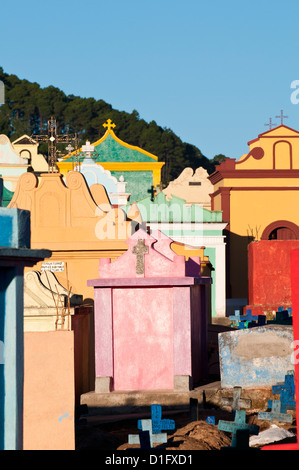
[{"x": 108, "y": 124}]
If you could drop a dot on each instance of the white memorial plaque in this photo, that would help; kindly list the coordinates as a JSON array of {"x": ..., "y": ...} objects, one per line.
[{"x": 53, "y": 266}]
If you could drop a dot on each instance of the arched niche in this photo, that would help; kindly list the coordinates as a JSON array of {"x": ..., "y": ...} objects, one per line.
[{"x": 281, "y": 230}]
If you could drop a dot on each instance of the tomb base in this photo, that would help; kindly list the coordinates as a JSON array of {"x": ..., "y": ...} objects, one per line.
[
  {"x": 103, "y": 384},
  {"x": 182, "y": 382},
  {"x": 115, "y": 403}
]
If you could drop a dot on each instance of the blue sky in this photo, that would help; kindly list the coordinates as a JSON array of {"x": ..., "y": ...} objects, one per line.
[{"x": 213, "y": 72}]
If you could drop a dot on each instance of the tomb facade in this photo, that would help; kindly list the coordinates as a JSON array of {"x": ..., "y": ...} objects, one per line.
[
  {"x": 150, "y": 318},
  {"x": 258, "y": 196},
  {"x": 141, "y": 169},
  {"x": 193, "y": 228},
  {"x": 15, "y": 255},
  {"x": 66, "y": 219}
]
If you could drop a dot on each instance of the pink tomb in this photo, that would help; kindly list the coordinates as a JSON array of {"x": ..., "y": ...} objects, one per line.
[{"x": 150, "y": 318}]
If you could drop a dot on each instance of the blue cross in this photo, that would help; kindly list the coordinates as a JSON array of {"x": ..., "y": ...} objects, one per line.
[
  {"x": 248, "y": 320},
  {"x": 146, "y": 425},
  {"x": 275, "y": 414},
  {"x": 158, "y": 424},
  {"x": 238, "y": 424},
  {"x": 286, "y": 392}
]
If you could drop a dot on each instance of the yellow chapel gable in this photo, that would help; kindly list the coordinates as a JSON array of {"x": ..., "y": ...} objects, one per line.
[{"x": 276, "y": 149}]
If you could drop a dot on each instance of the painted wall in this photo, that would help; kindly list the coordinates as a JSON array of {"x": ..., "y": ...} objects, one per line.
[
  {"x": 140, "y": 168},
  {"x": 49, "y": 391},
  {"x": 258, "y": 190},
  {"x": 269, "y": 275},
  {"x": 138, "y": 184},
  {"x": 255, "y": 357},
  {"x": 66, "y": 218}
]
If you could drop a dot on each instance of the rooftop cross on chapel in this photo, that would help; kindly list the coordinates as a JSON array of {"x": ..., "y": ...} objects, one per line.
[{"x": 109, "y": 124}]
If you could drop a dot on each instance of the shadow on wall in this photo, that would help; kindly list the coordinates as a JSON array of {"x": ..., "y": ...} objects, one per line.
[{"x": 237, "y": 265}]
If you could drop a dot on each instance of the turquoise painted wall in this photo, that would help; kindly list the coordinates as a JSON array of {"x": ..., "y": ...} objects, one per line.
[
  {"x": 112, "y": 151},
  {"x": 139, "y": 183}
]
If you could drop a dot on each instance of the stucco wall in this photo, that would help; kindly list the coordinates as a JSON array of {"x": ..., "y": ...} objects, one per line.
[{"x": 49, "y": 390}]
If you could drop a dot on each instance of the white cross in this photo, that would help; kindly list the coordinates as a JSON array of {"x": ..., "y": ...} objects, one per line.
[
  {"x": 69, "y": 148},
  {"x": 88, "y": 149}
]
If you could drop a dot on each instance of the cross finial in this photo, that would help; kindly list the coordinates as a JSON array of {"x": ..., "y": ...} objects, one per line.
[
  {"x": 140, "y": 250},
  {"x": 270, "y": 124},
  {"x": 109, "y": 124},
  {"x": 281, "y": 116}
]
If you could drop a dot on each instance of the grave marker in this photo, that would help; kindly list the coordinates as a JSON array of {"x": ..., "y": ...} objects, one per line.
[
  {"x": 211, "y": 420},
  {"x": 242, "y": 441},
  {"x": 282, "y": 318},
  {"x": 236, "y": 402},
  {"x": 238, "y": 424},
  {"x": 248, "y": 320},
  {"x": 275, "y": 414},
  {"x": 146, "y": 425},
  {"x": 145, "y": 440},
  {"x": 193, "y": 409},
  {"x": 286, "y": 392},
  {"x": 158, "y": 424}
]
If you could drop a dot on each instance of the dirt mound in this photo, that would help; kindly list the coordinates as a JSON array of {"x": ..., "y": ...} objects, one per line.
[{"x": 198, "y": 435}]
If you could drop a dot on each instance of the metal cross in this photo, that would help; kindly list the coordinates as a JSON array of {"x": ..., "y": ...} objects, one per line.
[
  {"x": 281, "y": 116},
  {"x": 52, "y": 139},
  {"x": 140, "y": 250},
  {"x": 270, "y": 124},
  {"x": 109, "y": 124}
]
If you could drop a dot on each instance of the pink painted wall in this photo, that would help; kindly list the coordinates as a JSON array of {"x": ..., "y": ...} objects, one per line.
[
  {"x": 143, "y": 339},
  {"x": 49, "y": 390},
  {"x": 143, "y": 318}
]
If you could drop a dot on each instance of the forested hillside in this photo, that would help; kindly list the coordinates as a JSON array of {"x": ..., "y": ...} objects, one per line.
[{"x": 28, "y": 107}]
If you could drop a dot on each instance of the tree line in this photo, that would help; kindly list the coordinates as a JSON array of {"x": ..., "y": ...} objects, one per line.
[{"x": 28, "y": 107}]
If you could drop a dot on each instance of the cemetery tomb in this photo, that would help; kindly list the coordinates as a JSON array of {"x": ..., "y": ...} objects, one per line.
[
  {"x": 192, "y": 228},
  {"x": 254, "y": 357},
  {"x": 78, "y": 231},
  {"x": 141, "y": 169},
  {"x": 152, "y": 304},
  {"x": 15, "y": 255},
  {"x": 192, "y": 186},
  {"x": 258, "y": 194}
]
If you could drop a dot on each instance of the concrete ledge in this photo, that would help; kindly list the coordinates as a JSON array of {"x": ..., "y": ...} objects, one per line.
[{"x": 208, "y": 396}]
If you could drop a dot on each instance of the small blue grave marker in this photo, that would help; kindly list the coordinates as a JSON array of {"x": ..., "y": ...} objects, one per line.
[
  {"x": 275, "y": 414},
  {"x": 238, "y": 424},
  {"x": 211, "y": 420}
]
